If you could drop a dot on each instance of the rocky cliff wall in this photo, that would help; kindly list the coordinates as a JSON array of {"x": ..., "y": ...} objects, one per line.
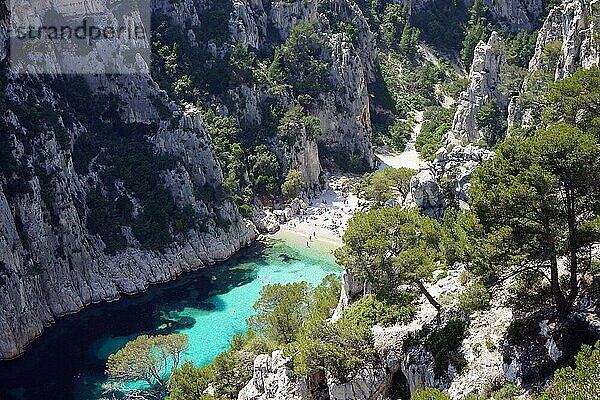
[
  {"x": 107, "y": 185},
  {"x": 484, "y": 81},
  {"x": 575, "y": 25},
  {"x": 572, "y": 29},
  {"x": 514, "y": 15},
  {"x": 62, "y": 246},
  {"x": 344, "y": 112}
]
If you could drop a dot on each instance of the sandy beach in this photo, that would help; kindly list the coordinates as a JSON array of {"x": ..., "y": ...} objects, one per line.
[{"x": 326, "y": 217}]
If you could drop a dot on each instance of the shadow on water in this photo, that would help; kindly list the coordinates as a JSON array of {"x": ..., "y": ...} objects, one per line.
[{"x": 70, "y": 349}]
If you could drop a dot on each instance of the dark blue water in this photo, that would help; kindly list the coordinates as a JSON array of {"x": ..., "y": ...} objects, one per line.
[{"x": 210, "y": 305}]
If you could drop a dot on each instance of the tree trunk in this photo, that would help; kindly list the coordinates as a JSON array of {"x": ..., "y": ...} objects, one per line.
[
  {"x": 573, "y": 247},
  {"x": 561, "y": 302},
  {"x": 429, "y": 297}
]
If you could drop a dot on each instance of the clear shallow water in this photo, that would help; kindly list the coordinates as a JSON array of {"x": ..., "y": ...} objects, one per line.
[{"x": 210, "y": 306}]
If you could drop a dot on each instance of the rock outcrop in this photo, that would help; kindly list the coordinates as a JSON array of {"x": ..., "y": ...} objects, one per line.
[
  {"x": 272, "y": 380},
  {"x": 426, "y": 193},
  {"x": 369, "y": 383},
  {"x": 445, "y": 180},
  {"x": 571, "y": 29},
  {"x": 344, "y": 113},
  {"x": 573, "y": 24},
  {"x": 484, "y": 80},
  {"x": 352, "y": 289}
]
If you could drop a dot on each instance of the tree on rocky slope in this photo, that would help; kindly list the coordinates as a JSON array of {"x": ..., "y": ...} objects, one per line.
[
  {"x": 538, "y": 202},
  {"x": 478, "y": 29},
  {"x": 149, "y": 360},
  {"x": 576, "y": 101},
  {"x": 390, "y": 247},
  {"x": 281, "y": 311}
]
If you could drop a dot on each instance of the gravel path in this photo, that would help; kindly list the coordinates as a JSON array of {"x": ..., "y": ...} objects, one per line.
[{"x": 409, "y": 158}]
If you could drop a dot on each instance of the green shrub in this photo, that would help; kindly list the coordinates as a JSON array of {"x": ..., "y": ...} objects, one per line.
[
  {"x": 381, "y": 186},
  {"x": 476, "y": 297},
  {"x": 441, "y": 23},
  {"x": 506, "y": 392},
  {"x": 371, "y": 311},
  {"x": 400, "y": 133},
  {"x": 293, "y": 185},
  {"x": 520, "y": 48},
  {"x": 298, "y": 62},
  {"x": 437, "y": 121},
  {"x": 579, "y": 382},
  {"x": 428, "y": 394},
  {"x": 491, "y": 120},
  {"x": 245, "y": 210},
  {"x": 489, "y": 344},
  {"x": 227, "y": 374},
  {"x": 444, "y": 343}
]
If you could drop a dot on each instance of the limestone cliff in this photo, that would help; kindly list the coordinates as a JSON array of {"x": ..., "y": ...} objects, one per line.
[
  {"x": 107, "y": 185},
  {"x": 81, "y": 160},
  {"x": 484, "y": 80},
  {"x": 344, "y": 112},
  {"x": 512, "y": 15},
  {"x": 55, "y": 259},
  {"x": 574, "y": 24},
  {"x": 567, "y": 41}
]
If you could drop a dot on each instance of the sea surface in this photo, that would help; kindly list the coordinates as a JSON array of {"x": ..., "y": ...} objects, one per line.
[{"x": 209, "y": 305}]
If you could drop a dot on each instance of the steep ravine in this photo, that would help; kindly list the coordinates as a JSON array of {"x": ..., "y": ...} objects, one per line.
[{"x": 107, "y": 185}]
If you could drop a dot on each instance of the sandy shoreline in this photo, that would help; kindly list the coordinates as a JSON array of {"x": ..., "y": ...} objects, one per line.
[{"x": 326, "y": 217}]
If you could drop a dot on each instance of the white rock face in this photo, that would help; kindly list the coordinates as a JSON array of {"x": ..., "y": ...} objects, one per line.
[
  {"x": 484, "y": 79},
  {"x": 545, "y": 330},
  {"x": 50, "y": 263},
  {"x": 514, "y": 15},
  {"x": 285, "y": 15},
  {"x": 352, "y": 288},
  {"x": 456, "y": 168},
  {"x": 425, "y": 192},
  {"x": 482, "y": 348},
  {"x": 271, "y": 380},
  {"x": 249, "y": 23},
  {"x": 128, "y": 54},
  {"x": 371, "y": 383},
  {"x": 573, "y": 23}
]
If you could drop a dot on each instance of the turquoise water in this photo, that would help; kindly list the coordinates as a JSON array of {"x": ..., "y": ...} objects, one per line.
[{"x": 209, "y": 306}]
